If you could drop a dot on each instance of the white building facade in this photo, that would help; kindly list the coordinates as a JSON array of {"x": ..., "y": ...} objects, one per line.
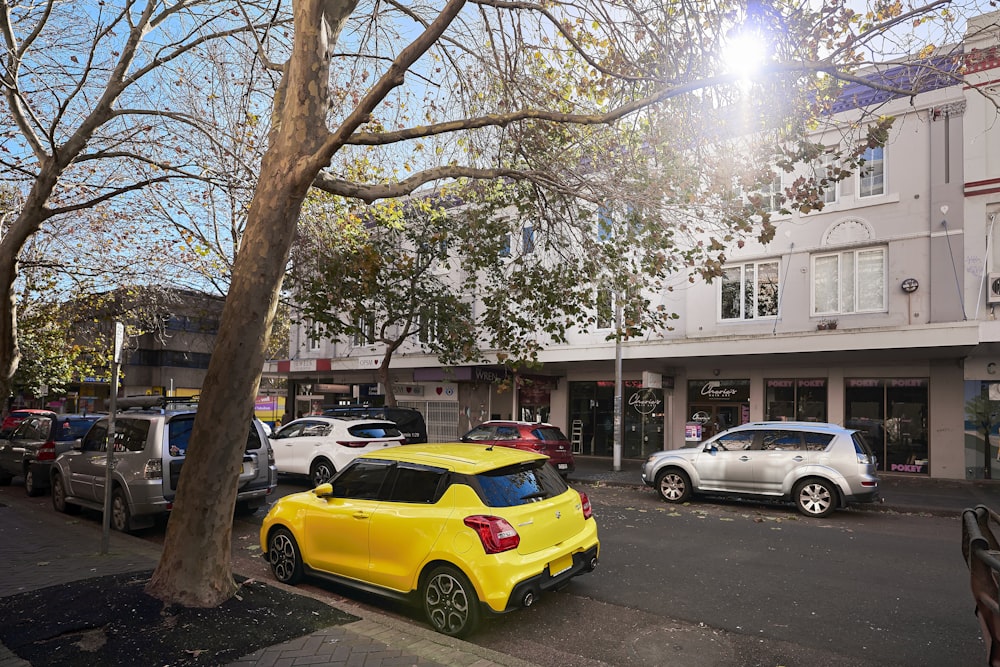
[{"x": 878, "y": 312}]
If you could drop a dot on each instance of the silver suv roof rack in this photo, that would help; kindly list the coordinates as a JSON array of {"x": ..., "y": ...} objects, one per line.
[{"x": 157, "y": 402}]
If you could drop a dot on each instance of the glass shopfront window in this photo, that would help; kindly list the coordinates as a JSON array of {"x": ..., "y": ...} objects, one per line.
[
  {"x": 716, "y": 405},
  {"x": 892, "y": 414},
  {"x": 796, "y": 400},
  {"x": 592, "y": 416}
]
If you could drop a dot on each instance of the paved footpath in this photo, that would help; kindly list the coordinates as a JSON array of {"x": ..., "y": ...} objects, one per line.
[{"x": 39, "y": 548}]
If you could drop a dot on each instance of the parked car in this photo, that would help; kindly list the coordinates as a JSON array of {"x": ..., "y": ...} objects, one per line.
[
  {"x": 409, "y": 420},
  {"x": 34, "y": 445},
  {"x": 818, "y": 466},
  {"x": 531, "y": 437},
  {"x": 150, "y": 443},
  {"x": 321, "y": 446},
  {"x": 463, "y": 530},
  {"x": 15, "y": 417}
]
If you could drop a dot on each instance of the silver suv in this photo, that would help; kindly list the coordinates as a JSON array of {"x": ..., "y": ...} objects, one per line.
[
  {"x": 818, "y": 466},
  {"x": 149, "y": 449}
]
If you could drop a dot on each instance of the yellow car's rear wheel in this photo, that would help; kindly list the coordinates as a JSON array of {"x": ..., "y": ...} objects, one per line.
[{"x": 450, "y": 602}]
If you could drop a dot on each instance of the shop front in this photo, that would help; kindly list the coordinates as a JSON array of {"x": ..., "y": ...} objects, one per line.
[
  {"x": 892, "y": 413},
  {"x": 592, "y": 417},
  {"x": 714, "y": 406}
]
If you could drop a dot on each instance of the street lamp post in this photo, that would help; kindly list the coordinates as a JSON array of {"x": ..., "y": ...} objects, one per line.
[{"x": 617, "y": 448}]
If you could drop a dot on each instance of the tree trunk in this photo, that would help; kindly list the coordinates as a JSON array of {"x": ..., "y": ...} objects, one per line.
[{"x": 195, "y": 569}]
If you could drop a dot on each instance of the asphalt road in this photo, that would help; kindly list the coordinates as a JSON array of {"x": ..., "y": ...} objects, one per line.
[
  {"x": 717, "y": 583},
  {"x": 732, "y": 583}
]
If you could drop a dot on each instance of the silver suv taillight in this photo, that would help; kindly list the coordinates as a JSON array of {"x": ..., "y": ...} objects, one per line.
[{"x": 153, "y": 469}]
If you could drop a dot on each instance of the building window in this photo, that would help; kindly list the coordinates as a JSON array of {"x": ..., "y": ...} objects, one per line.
[
  {"x": 429, "y": 324},
  {"x": 796, "y": 400},
  {"x": 505, "y": 250},
  {"x": 825, "y": 168},
  {"x": 315, "y": 336},
  {"x": 365, "y": 333},
  {"x": 871, "y": 176},
  {"x": 605, "y": 231},
  {"x": 528, "y": 239},
  {"x": 852, "y": 281},
  {"x": 772, "y": 194},
  {"x": 605, "y": 305},
  {"x": 749, "y": 291}
]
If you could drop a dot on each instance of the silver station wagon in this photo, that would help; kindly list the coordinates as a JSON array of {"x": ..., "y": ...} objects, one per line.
[{"x": 818, "y": 466}]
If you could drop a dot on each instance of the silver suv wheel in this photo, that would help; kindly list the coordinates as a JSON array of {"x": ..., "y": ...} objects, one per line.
[{"x": 815, "y": 497}]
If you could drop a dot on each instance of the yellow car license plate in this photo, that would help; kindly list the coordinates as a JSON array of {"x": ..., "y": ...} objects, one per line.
[{"x": 560, "y": 565}]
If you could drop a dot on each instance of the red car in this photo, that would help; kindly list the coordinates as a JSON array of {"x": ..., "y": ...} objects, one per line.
[
  {"x": 15, "y": 417},
  {"x": 530, "y": 436}
]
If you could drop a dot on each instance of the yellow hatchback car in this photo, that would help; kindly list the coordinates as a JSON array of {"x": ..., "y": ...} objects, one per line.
[{"x": 463, "y": 530}]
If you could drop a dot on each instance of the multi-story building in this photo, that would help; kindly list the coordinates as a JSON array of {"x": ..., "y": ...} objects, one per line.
[
  {"x": 169, "y": 359},
  {"x": 877, "y": 312}
]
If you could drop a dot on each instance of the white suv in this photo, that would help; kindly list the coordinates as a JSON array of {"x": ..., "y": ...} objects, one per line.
[
  {"x": 150, "y": 444},
  {"x": 321, "y": 446},
  {"x": 818, "y": 466}
]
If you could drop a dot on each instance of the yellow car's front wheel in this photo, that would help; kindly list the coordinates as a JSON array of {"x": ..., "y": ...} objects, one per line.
[
  {"x": 283, "y": 555},
  {"x": 450, "y": 602}
]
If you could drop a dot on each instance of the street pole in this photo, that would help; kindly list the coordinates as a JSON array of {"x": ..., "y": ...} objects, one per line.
[
  {"x": 617, "y": 458},
  {"x": 110, "y": 446}
]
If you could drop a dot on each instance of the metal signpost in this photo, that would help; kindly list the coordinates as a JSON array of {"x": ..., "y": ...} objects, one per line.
[{"x": 110, "y": 446}]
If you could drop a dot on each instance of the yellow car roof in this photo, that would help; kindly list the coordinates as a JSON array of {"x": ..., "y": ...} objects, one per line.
[{"x": 456, "y": 456}]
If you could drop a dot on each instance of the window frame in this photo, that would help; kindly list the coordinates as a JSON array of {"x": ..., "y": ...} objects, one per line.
[
  {"x": 824, "y": 165},
  {"x": 744, "y": 316},
  {"x": 873, "y": 170},
  {"x": 857, "y": 283},
  {"x": 528, "y": 241}
]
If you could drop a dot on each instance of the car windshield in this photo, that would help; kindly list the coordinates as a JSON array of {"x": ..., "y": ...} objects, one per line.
[{"x": 520, "y": 484}]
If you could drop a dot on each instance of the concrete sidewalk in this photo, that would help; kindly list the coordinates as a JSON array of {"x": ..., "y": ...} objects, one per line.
[{"x": 40, "y": 548}]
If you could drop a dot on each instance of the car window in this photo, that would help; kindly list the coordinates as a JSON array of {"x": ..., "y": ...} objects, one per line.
[
  {"x": 781, "y": 440},
  {"x": 520, "y": 484},
  {"x": 130, "y": 434},
  {"x": 362, "y": 480},
  {"x": 379, "y": 430},
  {"x": 291, "y": 430},
  {"x": 179, "y": 435},
  {"x": 818, "y": 442},
  {"x": 96, "y": 437},
  {"x": 549, "y": 433},
  {"x": 479, "y": 433},
  {"x": 316, "y": 429},
  {"x": 861, "y": 445},
  {"x": 734, "y": 442},
  {"x": 33, "y": 428},
  {"x": 416, "y": 484},
  {"x": 71, "y": 428},
  {"x": 507, "y": 433}
]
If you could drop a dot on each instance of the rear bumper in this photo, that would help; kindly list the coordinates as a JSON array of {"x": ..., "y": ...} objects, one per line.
[
  {"x": 866, "y": 496},
  {"x": 527, "y": 591}
]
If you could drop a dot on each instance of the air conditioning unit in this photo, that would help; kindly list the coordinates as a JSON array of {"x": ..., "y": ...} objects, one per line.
[{"x": 993, "y": 288}]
